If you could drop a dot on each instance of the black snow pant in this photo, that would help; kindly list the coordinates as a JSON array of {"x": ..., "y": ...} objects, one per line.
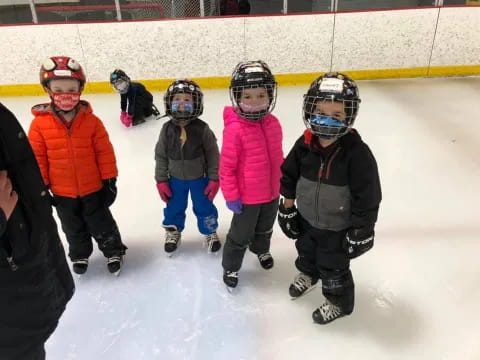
[
  {"x": 253, "y": 229},
  {"x": 321, "y": 255},
  {"x": 85, "y": 217},
  {"x": 143, "y": 108}
]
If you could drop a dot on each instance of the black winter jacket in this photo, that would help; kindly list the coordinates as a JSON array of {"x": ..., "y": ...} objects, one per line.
[
  {"x": 35, "y": 281},
  {"x": 336, "y": 191},
  {"x": 136, "y": 94}
]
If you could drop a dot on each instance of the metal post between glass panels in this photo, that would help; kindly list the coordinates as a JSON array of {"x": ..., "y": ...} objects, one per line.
[
  {"x": 119, "y": 12},
  {"x": 285, "y": 7},
  {"x": 34, "y": 12},
  {"x": 202, "y": 8}
]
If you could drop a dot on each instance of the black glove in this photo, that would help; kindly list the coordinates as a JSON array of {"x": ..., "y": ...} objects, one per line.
[
  {"x": 109, "y": 191},
  {"x": 359, "y": 241},
  {"x": 288, "y": 219}
]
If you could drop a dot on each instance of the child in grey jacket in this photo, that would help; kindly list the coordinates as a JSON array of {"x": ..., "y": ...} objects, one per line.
[{"x": 186, "y": 157}]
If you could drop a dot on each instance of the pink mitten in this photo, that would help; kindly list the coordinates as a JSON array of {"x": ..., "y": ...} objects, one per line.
[
  {"x": 126, "y": 119},
  {"x": 164, "y": 191},
  {"x": 211, "y": 189}
]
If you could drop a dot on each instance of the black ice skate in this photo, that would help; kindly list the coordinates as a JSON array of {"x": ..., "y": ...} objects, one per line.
[
  {"x": 155, "y": 112},
  {"x": 173, "y": 238},
  {"x": 80, "y": 266},
  {"x": 114, "y": 264},
  {"x": 327, "y": 312},
  {"x": 230, "y": 278},
  {"x": 266, "y": 260},
  {"x": 302, "y": 284},
  {"x": 212, "y": 242}
]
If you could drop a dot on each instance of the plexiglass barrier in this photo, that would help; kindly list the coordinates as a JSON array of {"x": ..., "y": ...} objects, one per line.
[{"x": 74, "y": 11}]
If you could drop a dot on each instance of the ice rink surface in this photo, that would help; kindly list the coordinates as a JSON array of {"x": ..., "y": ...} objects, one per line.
[{"x": 417, "y": 290}]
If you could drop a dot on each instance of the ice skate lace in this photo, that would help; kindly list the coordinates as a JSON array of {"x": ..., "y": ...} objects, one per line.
[
  {"x": 172, "y": 237},
  {"x": 210, "y": 240},
  {"x": 81, "y": 261},
  {"x": 302, "y": 282},
  {"x": 113, "y": 259},
  {"x": 263, "y": 257},
  {"x": 232, "y": 274},
  {"x": 330, "y": 311}
]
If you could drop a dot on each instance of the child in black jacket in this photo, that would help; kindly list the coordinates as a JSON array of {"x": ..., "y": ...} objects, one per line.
[
  {"x": 136, "y": 102},
  {"x": 332, "y": 176}
]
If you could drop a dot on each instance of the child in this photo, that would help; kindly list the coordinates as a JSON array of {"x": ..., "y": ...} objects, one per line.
[
  {"x": 136, "y": 102},
  {"x": 186, "y": 159},
  {"x": 250, "y": 163},
  {"x": 332, "y": 175},
  {"x": 78, "y": 164}
]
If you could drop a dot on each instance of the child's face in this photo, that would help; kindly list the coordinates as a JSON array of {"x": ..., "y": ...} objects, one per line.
[
  {"x": 254, "y": 96},
  {"x": 329, "y": 108},
  {"x": 64, "y": 86},
  {"x": 183, "y": 99}
]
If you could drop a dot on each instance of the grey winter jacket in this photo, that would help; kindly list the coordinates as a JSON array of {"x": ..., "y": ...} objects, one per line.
[{"x": 197, "y": 158}]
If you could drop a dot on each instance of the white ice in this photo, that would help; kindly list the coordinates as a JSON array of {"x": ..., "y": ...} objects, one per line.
[{"x": 417, "y": 291}]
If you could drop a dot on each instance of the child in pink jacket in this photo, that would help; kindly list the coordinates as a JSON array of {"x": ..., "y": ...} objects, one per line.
[{"x": 250, "y": 163}]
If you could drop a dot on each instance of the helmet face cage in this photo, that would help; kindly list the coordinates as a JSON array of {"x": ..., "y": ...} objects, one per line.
[
  {"x": 331, "y": 87},
  {"x": 251, "y": 75},
  {"x": 183, "y": 87},
  {"x": 120, "y": 81},
  {"x": 61, "y": 67}
]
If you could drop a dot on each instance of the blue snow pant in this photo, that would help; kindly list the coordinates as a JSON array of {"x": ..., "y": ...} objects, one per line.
[{"x": 204, "y": 210}]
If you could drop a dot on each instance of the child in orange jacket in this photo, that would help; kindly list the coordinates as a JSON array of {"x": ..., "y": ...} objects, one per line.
[{"x": 78, "y": 163}]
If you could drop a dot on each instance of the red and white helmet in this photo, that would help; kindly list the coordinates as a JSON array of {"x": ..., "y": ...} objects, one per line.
[{"x": 61, "y": 67}]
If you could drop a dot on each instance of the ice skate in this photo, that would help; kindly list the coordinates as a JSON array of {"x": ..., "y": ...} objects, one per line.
[
  {"x": 212, "y": 242},
  {"x": 173, "y": 239},
  {"x": 301, "y": 285},
  {"x": 114, "y": 264},
  {"x": 230, "y": 278},
  {"x": 327, "y": 312},
  {"x": 266, "y": 260},
  {"x": 80, "y": 266},
  {"x": 155, "y": 112}
]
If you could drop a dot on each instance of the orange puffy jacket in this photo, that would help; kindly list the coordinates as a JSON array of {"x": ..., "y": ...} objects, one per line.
[{"x": 72, "y": 161}]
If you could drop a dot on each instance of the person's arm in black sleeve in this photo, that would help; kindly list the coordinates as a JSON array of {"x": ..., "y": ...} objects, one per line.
[
  {"x": 288, "y": 217},
  {"x": 132, "y": 96},
  {"x": 364, "y": 187},
  {"x": 123, "y": 102},
  {"x": 8, "y": 200},
  {"x": 291, "y": 172}
]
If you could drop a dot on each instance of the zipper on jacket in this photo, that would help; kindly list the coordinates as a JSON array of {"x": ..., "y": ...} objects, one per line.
[
  {"x": 9, "y": 258},
  {"x": 12, "y": 264},
  {"x": 317, "y": 190},
  {"x": 182, "y": 157},
  {"x": 269, "y": 158},
  {"x": 330, "y": 162},
  {"x": 70, "y": 148}
]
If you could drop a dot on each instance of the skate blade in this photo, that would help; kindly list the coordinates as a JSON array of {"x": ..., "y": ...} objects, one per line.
[
  {"x": 116, "y": 273},
  {"x": 171, "y": 254},
  {"x": 305, "y": 293},
  {"x": 230, "y": 290}
]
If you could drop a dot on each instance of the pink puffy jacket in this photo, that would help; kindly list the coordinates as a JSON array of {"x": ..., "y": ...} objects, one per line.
[{"x": 250, "y": 159}]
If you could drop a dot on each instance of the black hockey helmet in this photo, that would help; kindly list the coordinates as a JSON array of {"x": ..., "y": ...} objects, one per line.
[
  {"x": 334, "y": 87},
  {"x": 189, "y": 113},
  {"x": 119, "y": 81},
  {"x": 252, "y": 74}
]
